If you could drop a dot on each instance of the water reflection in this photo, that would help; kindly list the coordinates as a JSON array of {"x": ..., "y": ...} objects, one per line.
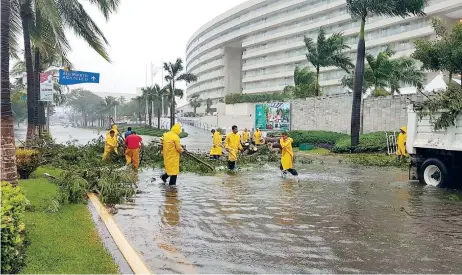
[{"x": 171, "y": 214}]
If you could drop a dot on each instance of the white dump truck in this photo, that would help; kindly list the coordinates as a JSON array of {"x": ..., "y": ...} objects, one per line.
[{"x": 436, "y": 156}]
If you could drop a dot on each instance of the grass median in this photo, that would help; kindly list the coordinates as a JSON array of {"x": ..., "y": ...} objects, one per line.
[{"x": 61, "y": 242}]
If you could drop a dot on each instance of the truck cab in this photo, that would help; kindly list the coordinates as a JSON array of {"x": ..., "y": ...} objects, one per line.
[{"x": 436, "y": 155}]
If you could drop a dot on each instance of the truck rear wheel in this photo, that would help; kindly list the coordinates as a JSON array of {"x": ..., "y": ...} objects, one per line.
[{"x": 435, "y": 173}]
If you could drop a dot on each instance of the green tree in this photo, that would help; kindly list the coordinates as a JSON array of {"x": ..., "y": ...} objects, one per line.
[
  {"x": 382, "y": 72},
  {"x": 148, "y": 95},
  {"x": 175, "y": 74},
  {"x": 195, "y": 102},
  {"x": 8, "y": 162},
  {"x": 141, "y": 106},
  {"x": 327, "y": 52},
  {"x": 443, "y": 54},
  {"x": 85, "y": 103},
  {"x": 361, "y": 10},
  {"x": 122, "y": 100},
  {"x": 305, "y": 84},
  {"x": 44, "y": 24},
  {"x": 208, "y": 105},
  {"x": 19, "y": 106}
]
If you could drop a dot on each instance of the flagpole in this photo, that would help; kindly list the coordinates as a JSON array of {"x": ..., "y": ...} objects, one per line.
[
  {"x": 162, "y": 68},
  {"x": 146, "y": 84}
]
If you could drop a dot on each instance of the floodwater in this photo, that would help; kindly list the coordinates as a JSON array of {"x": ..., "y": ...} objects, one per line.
[
  {"x": 337, "y": 219},
  {"x": 198, "y": 139}
]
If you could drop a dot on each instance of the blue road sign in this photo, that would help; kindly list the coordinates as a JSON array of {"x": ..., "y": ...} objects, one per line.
[{"x": 77, "y": 77}]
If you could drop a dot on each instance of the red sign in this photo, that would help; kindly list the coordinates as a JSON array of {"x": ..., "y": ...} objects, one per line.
[{"x": 44, "y": 77}]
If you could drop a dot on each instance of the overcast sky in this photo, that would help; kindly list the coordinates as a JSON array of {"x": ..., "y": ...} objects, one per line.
[{"x": 141, "y": 32}]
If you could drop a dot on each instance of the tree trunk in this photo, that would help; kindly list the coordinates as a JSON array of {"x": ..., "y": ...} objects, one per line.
[
  {"x": 150, "y": 114},
  {"x": 40, "y": 113},
  {"x": 159, "y": 111},
  {"x": 460, "y": 78},
  {"x": 8, "y": 148},
  {"x": 317, "y": 81},
  {"x": 172, "y": 108},
  {"x": 358, "y": 87},
  {"x": 26, "y": 17}
]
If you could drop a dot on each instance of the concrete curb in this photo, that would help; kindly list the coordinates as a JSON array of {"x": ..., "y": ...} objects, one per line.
[{"x": 131, "y": 256}]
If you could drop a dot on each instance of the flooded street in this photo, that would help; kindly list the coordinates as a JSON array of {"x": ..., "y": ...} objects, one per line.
[{"x": 337, "y": 219}]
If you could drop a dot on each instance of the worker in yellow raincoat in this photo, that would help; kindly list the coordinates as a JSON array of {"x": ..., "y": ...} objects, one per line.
[
  {"x": 171, "y": 150},
  {"x": 401, "y": 143},
  {"x": 111, "y": 144},
  {"x": 257, "y": 137},
  {"x": 245, "y": 136},
  {"x": 233, "y": 146},
  {"x": 216, "y": 150},
  {"x": 287, "y": 155}
]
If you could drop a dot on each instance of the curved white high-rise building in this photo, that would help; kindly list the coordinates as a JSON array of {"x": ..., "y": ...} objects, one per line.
[{"x": 254, "y": 47}]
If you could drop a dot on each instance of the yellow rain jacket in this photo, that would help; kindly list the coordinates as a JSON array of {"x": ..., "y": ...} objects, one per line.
[
  {"x": 402, "y": 142},
  {"x": 216, "y": 149},
  {"x": 245, "y": 136},
  {"x": 287, "y": 156},
  {"x": 233, "y": 145},
  {"x": 111, "y": 143},
  {"x": 171, "y": 150},
  {"x": 257, "y": 137}
]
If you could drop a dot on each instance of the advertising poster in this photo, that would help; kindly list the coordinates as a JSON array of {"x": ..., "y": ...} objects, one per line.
[
  {"x": 46, "y": 87},
  {"x": 272, "y": 116}
]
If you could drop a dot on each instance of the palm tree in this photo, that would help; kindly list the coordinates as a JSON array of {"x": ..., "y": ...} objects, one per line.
[
  {"x": 43, "y": 23},
  {"x": 158, "y": 95},
  {"x": 405, "y": 71},
  {"x": 382, "y": 72},
  {"x": 327, "y": 52},
  {"x": 122, "y": 100},
  {"x": 174, "y": 74},
  {"x": 195, "y": 102},
  {"x": 379, "y": 68},
  {"x": 148, "y": 95},
  {"x": 208, "y": 105},
  {"x": 8, "y": 161},
  {"x": 140, "y": 101},
  {"x": 32, "y": 99},
  {"x": 362, "y": 9}
]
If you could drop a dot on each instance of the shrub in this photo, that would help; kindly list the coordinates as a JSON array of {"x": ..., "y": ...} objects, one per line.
[
  {"x": 253, "y": 98},
  {"x": 324, "y": 139},
  {"x": 368, "y": 143},
  {"x": 13, "y": 234},
  {"x": 113, "y": 186},
  {"x": 27, "y": 160}
]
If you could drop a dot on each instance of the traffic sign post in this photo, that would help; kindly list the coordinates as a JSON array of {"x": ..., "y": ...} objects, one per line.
[{"x": 77, "y": 77}]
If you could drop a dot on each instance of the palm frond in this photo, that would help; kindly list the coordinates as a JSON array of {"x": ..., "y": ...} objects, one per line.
[
  {"x": 77, "y": 19},
  {"x": 188, "y": 77},
  {"x": 106, "y": 6},
  {"x": 15, "y": 29},
  {"x": 361, "y": 9}
]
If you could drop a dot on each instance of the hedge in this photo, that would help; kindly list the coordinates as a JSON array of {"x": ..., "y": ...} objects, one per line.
[
  {"x": 253, "y": 98},
  {"x": 13, "y": 234},
  {"x": 323, "y": 139},
  {"x": 368, "y": 143}
]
